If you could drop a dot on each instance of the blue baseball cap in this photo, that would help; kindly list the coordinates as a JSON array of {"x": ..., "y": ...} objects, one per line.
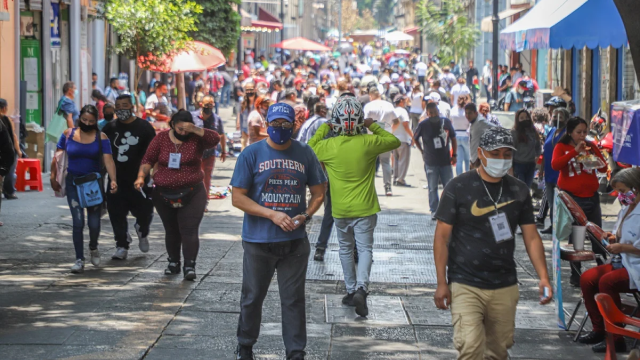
[
  {"x": 281, "y": 111},
  {"x": 287, "y": 67}
]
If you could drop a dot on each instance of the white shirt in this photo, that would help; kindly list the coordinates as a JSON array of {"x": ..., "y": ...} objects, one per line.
[
  {"x": 152, "y": 101},
  {"x": 380, "y": 111},
  {"x": 416, "y": 102},
  {"x": 459, "y": 121},
  {"x": 400, "y": 132},
  {"x": 457, "y": 90},
  {"x": 629, "y": 235},
  {"x": 421, "y": 68},
  {"x": 375, "y": 65},
  {"x": 486, "y": 75},
  {"x": 444, "y": 109}
]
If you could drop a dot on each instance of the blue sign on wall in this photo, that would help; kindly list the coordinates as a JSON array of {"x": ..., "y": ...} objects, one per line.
[{"x": 55, "y": 25}]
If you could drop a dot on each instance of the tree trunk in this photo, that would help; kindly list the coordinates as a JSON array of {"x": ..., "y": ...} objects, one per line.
[{"x": 630, "y": 12}]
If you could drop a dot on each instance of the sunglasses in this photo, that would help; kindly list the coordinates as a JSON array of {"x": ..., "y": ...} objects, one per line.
[{"x": 284, "y": 125}]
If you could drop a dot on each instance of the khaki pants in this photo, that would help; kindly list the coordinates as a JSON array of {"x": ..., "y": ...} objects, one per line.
[{"x": 483, "y": 321}]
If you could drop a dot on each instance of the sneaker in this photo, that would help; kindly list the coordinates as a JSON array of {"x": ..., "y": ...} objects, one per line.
[
  {"x": 387, "y": 190},
  {"x": 360, "y": 302},
  {"x": 189, "y": 270},
  {"x": 319, "y": 255},
  {"x": 143, "y": 241},
  {"x": 348, "y": 299},
  {"x": 540, "y": 223},
  {"x": 95, "y": 257},
  {"x": 173, "y": 268},
  {"x": 120, "y": 254},
  {"x": 78, "y": 267},
  {"x": 11, "y": 196},
  {"x": 244, "y": 353}
]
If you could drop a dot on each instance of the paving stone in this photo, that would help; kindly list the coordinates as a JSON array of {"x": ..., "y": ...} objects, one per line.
[
  {"x": 549, "y": 345},
  {"x": 36, "y": 335},
  {"x": 436, "y": 342},
  {"x": 382, "y": 310},
  {"x": 116, "y": 339},
  {"x": 375, "y": 355},
  {"x": 189, "y": 322},
  {"x": 191, "y": 354},
  {"x": 97, "y": 353},
  {"x": 423, "y": 311},
  {"x": 26, "y": 352}
]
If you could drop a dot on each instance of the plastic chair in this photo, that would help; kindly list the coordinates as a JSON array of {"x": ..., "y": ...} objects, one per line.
[
  {"x": 612, "y": 316},
  {"x": 35, "y": 174}
]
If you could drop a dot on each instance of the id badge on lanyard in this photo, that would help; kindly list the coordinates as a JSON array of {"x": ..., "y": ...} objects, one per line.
[
  {"x": 500, "y": 227},
  {"x": 174, "y": 160},
  {"x": 438, "y": 142}
]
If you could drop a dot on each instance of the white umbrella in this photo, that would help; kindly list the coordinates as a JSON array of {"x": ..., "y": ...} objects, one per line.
[{"x": 398, "y": 36}]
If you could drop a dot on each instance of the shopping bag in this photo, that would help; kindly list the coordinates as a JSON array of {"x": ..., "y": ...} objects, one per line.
[
  {"x": 89, "y": 190},
  {"x": 56, "y": 127}
]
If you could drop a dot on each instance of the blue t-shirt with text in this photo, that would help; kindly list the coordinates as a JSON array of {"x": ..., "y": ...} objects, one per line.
[{"x": 276, "y": 179}]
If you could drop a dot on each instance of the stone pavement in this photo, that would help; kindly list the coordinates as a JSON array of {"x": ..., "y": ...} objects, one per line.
[{"x": 130, "y": 310}]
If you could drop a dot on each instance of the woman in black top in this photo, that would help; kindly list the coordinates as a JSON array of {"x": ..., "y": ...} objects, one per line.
[{"x": 7, "y": 155}]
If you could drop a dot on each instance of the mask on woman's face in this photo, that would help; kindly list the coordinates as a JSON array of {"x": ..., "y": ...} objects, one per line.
[
  {"x": 250, "y": 93},
  {"x": 87, "y": 128},
  {"x": 627, "y": 198},
  {"x": 181, "y": 137},
  {"x": 108, "y": 117}
]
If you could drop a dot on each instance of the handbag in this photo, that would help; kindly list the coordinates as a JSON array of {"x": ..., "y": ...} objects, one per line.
[
  {"x": 90, "y": 186},
  {"x": 176, "y": 198},
  {"x": 57, "y": 125},
  {"x": 62, "y": 163}
]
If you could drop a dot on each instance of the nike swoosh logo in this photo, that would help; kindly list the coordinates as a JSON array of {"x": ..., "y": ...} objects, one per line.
[{"x": 476, "y": 211}]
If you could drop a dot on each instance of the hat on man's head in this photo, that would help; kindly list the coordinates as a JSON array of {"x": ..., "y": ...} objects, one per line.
[
  {"x": 281, "y": 111},
  {"x": 495, "y": 138},
  {"x": 434, "y": 96}
]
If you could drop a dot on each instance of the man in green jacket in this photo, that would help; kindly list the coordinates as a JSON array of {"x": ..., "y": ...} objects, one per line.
[{"x": 350, "y": 161}]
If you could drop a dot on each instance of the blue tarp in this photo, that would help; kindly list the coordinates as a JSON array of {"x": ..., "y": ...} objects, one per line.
[{"x": 566, "y": 24}]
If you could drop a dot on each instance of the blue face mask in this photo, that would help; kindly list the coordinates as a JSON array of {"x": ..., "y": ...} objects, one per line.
[
  {"x": 75, "y": 93},
  {"x": 279, "y": 135}
]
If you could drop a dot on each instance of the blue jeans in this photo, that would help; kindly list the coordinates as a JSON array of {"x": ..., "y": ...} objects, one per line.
[
  {"x": 9, "y": 186},
  {"x": 327, "y": 222},
  {"x": 524, "y": 172},
  {"x": 77, "y": 214},
  {"x": 435, "y": 175},
  {"x": 463, "y": 154},
  {"x": 225, "y": 97},
  {"x": 359, "y": 232}
]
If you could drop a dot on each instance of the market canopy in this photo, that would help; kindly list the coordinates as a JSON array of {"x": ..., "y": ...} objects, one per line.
[
  {"x": 398, "y": 36},
  {"x": 300, "y": 43},
  {"x": 198, "y": 57},
  {"x": 566, "y": 24}
]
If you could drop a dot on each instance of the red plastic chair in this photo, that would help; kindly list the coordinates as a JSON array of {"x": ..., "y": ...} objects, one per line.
[
  {"x": 612, "y": 316},
  {"x": 35, "y": 174}
]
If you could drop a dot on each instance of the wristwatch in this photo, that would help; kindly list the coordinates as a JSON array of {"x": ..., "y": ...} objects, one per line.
[{"x": 307, "y": 217}]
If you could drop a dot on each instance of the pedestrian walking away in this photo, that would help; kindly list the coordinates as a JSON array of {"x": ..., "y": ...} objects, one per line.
[
  {"x": 415, "y": 98},
  {"x": 438, "y": 138},
  {"x": 7, "y": 156},
  {"x": 269, "y": 186},
  {"x": 477, "y": 126},
  {"x": 86, "y": 150},
  {"x": 350, "y": 161},
  {"x": 382, "y": 112},
  {"x": 9, "y": 182},
  {"x": 205, "y": 117},
  {"x": 179, "y": 195},
  {"x": 402, "y": 130},
  {"x": 474, "y": 247},
  {"x": 130, "y": 137}
]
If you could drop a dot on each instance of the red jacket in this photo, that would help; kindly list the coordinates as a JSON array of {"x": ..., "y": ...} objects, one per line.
[{"x": 573, "y": 178}]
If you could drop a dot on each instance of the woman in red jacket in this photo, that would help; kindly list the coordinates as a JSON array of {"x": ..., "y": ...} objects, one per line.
[{"x": 581, "y": 182}]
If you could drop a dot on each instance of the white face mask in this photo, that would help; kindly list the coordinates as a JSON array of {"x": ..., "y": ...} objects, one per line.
[
  {"x": 520, "y": 91},
  {"x": 497, "y": 168}
]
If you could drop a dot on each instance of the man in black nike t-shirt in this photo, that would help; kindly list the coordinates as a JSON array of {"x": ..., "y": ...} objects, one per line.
[{"x": 479, "y": 211}]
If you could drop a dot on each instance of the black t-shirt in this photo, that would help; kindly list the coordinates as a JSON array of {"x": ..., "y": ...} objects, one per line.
[
  {"x": 237, "y": 88},
  {"x": 129, "y": 143},
  {"x": 7, "y": 124},
  {"x": 475, "y": 259},
  {"x": 470, "y": 74},
  {"x": 429, "y": 129}
]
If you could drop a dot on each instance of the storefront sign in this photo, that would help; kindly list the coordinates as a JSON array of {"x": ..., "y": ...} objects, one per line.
[{"x": 55, "y": 25}]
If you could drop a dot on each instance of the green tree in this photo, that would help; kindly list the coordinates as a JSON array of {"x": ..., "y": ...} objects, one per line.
[
  {"x": 152, "y": 29},
  {"x": 448, "y": 27},
  {"x": 218, "y": 24},
  {"x": 383, "y": 12}
]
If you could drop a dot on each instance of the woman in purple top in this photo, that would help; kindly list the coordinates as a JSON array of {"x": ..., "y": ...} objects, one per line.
[{"x": 82, "y": 145}]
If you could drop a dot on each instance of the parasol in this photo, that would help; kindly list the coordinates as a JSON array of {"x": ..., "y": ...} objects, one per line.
[
  {"x": 198, "y": 57},
  {"x": 300, "y": 43}
]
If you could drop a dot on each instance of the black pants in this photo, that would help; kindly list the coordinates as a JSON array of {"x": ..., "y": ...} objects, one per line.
[
  {"x": 591, "y": 208},
  {"x": 258, "y": 265},
  {"x": 182, "y": 225},
  {"x": 126, "y": 200}
]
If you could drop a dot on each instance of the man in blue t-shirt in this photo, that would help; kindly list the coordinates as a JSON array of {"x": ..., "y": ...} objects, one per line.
[{"x": 269, "y": 185}]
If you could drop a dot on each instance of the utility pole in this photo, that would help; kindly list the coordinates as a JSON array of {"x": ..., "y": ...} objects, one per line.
[
  {"x": 496, "y": 40},
  {"x": 282, "y": 32}
]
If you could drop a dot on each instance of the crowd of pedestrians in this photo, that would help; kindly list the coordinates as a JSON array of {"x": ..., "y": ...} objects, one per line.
[{"x": 327, "y": 125}]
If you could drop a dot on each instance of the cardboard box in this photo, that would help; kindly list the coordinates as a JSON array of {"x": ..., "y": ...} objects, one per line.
[{"x": 35, "y": 146}]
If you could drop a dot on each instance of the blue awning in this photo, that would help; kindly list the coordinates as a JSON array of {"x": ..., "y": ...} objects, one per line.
[{"x": 566, "y": 24}]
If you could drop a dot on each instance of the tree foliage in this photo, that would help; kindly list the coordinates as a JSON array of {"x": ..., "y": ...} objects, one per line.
[
  {"x": 448, "y": 27},
  {"x": 152, "y": 29},
  {"x": 354, "y": 19},
  {"x": 218, "y": 24},
  {"x": 383, "y": 12}
]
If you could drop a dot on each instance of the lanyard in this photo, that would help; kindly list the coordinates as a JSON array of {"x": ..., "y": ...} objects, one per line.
[{"x": 495, "y": 203}]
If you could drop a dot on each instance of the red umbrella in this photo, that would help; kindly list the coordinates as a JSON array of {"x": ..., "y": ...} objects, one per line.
[
  {"x": 300, "y": 43},
  {"x": 198, "y": 57}
]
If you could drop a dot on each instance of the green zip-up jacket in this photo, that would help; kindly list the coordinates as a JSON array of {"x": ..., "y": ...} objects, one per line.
[{"x": 350, "y": 162}]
